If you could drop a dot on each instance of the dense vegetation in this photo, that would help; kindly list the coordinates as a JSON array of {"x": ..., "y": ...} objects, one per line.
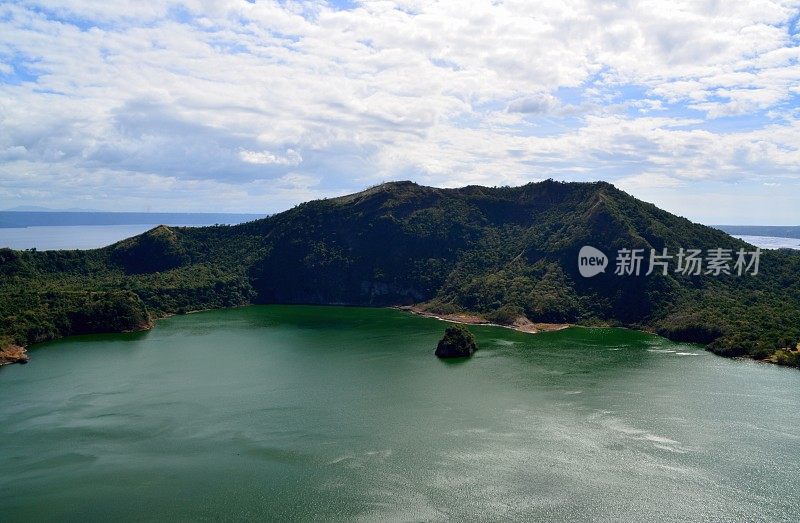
[
  {"x": 500, "y": 252},
  {"x": 457, "y": 342}
]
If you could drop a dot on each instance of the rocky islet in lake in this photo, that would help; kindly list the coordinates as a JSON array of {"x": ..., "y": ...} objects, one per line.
[{"x": 457, "y": 342}]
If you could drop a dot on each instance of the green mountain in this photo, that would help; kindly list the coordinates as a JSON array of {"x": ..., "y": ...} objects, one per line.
[{"x": 500, "y": 252}]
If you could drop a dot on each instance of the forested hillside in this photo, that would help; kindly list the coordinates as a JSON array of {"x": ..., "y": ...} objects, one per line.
[{"x": 501, "y": 252}]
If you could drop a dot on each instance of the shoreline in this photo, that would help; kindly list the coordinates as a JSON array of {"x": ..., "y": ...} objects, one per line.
[
  {"x": 12, "y": 354},
  {"x": 521, "y": 324},
  {"x": 16, "y": 354}
]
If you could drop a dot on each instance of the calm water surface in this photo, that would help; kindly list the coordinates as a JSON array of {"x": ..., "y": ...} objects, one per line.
[
  {"x": 770, "y": 242},
  {"x": 48, "y": 238},
  {"x": 324, "y": 413}
]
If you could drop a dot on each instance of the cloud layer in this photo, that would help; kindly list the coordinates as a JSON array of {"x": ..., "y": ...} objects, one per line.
[{"x": 254, "y": 106}]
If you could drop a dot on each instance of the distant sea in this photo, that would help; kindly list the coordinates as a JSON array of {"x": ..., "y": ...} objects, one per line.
[
  {"x": 90, "y": 230},
  {"x": 53, "y": 237},
  {"x": 770, "y": 242}
]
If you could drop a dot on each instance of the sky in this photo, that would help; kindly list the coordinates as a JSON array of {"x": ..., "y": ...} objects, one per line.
[{"x": 255, "y": 106}]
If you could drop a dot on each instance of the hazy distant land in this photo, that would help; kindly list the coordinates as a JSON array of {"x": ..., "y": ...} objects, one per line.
[
  {"x": 775, "y": 231},
  {"x": 16, "y": 219}
]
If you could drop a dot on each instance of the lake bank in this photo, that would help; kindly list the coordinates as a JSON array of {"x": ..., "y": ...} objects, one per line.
[{"x": 521, "y": 324}]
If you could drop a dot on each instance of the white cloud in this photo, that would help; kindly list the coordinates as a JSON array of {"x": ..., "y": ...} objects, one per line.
[
  {"x": 235, "y": 96},
  {"x": 648, "y": 181},
  {"x": 291, "y": 158}
]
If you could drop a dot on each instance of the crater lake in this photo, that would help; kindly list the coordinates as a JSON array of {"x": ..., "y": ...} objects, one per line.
[{"x": 337, "y": 413}]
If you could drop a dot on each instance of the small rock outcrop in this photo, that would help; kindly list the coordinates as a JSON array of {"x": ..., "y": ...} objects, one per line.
[
  {"x": 457, "y": 342},
  {"x": 13, "y": 354}
]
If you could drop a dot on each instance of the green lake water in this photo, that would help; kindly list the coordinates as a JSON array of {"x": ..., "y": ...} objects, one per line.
[{"x": 332, "y": 413}]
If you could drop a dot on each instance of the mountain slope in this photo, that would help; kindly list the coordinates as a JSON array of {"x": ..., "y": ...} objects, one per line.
[{"x": 501, "y": 252}]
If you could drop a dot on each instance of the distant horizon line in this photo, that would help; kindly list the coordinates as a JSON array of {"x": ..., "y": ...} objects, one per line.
[
  {"x": 98, "y": 211},
  {"x": 266, "y": 214}
]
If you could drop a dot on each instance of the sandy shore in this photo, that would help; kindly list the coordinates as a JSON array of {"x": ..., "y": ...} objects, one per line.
[{"x": 521, "y": 324}]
